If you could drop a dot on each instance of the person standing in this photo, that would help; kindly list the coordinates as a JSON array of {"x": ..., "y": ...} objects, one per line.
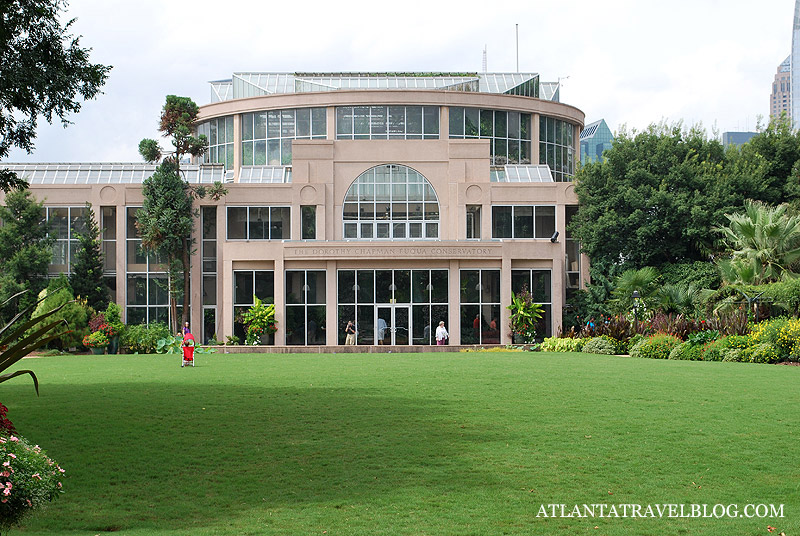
[
  {"x": 350, "y": 333},
  {"x": 186, "y": 328},
  {"x": 441, "y": 334}
]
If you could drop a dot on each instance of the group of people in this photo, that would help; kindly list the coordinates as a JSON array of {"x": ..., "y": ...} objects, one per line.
[{"x": 350, "y": 333}]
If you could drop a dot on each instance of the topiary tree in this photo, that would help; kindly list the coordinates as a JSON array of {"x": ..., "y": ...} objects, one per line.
[{"x": 86, "y": 278}]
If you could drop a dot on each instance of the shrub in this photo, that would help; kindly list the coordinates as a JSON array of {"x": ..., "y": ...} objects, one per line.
[
  {"x": 633, "y": 341},
  {"x": 702, "y": 337},
  {"x": 656, "y": 346},
  {"x": 143, "y": 339},
  {"x": 718, "y": 349},
  {"x": 687, "y": 351},
  {"x": 788, "y": 340},
  {"x": 29, "y": 479},
  {"x": 761, "y": 353},
  {"x": 555, "y": 344},
  {"x": 57, "y": 294},
  {"x": 232, "y": 340},
  {"x": 600, "y": 345},
  {"x": 97, "y": 339},
  {"x": 733, "y": 355}
]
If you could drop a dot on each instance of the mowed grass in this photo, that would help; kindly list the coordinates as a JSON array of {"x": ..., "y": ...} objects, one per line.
[{"x": 416, "y": 444}]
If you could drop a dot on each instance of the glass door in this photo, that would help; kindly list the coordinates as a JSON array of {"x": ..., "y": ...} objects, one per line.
[{"x": 392, "y": 325}]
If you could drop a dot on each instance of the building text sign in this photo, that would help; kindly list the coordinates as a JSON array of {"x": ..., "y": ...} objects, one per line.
[{"x": 384, "y": 251}]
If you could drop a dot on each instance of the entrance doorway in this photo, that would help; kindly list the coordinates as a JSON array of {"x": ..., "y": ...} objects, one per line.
[{"x": 391, "y": 325}]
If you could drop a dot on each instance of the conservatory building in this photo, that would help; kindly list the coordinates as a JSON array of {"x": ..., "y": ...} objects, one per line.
[{"x": 395, "y": 200}]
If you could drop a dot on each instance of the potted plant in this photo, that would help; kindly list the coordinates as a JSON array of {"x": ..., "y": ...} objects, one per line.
[
  {"x": 96, "y": 341},
  {"x": 525, "y": 313}
]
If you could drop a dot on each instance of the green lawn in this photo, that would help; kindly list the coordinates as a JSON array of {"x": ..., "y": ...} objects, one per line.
[{"x": 418, "y": 444}]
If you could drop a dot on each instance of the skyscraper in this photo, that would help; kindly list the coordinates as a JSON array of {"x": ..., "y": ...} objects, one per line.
[
  {"x": 780, "y": 101},
  {"x": 796, "y": 65}
]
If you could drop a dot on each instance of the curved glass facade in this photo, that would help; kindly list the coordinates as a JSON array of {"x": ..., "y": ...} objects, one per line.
[
  {"x": 557, "y": 147},
  {"x": 387, "y": 122},
  {"x": 219, "y": 132},
  {"x": 509, "y": 132},
  {"x": 267, "y": 136},
  {"x": 391, "y": 202}
]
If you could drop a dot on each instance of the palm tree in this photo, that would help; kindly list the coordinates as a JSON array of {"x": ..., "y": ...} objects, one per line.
[
  {"x": 676, "y": 298},
  {"x": 643, "y": 280},
  {"x": 765, "y": 237}
]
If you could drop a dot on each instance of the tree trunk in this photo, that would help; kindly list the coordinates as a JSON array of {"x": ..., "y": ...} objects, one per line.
[{"x": 187, "y": 287}]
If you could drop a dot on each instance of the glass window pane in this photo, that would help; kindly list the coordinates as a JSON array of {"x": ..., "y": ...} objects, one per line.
[
  {"x": 273, "y": 124},
  {"x": 413, "y": 119},
  {"x": 315, "y": 279},
  {"x": 295, "y": 325},
  {"x": 490, "y": 286},
  {"x": 280, "y": 223},
  {"x": 402, "y": 283},
  {"x": 260, "y": 126},
  {"x": 501, "y": 222},
  {"x": 247, "y": 153},
  {"x": 456, "y": 122},
  {"x": 308, "y": 222},
  {"x": 137, "y": 290},
  {"x": 520, "y": 279},
  {"x": 470, "y": 286},
  {"x": 286, "y": 152},
  {"x": 500, "y": 124},
  {"x": 439, "y": 291},
  {"x": 360, "y": 122},
  {"x": 523, "y": 222},
  {"x": 229, "y": 129},
  {"x": 346, "y": 292},
  {"x": 265, "y": 285},
  {"x": 383, "y": 284},
  {"x": 273, "y": 150},
  {"x": 243, "y": 287},
  {"x": 247, "y": 126},
  {"x": 471, "y": 324},
  {"x": 209, "y": 290},
  {"x": 315, "y": 324},
  {"x": 366, "y": 286},
  {"x": 420, "y": 279},
  {"x": 258, "y": 223},
  {"x": 318, "y": 122},
  {"x": 378, "y": 121},
  {"x": 344, "y": 121},
  {"x": 295, "y": 283},
  {"x": 471, "y": 122},
  {"x": 487, "y": 123},
  {"x": 513, "y": 125},
  {"x": 545, "y": 221},
  {"x": 303, "y": 125},
  {"x": 237, "y": 223},
  {"x": 397, "y": 122}
]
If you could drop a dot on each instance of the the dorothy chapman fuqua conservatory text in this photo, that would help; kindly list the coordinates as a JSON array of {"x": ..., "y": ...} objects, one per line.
[
  {"x": 661, "y": 510},
  {"x": 394, "y": 251}
]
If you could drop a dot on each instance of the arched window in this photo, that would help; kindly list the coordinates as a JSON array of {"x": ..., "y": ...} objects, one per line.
[{"x": 391, "y": 202}]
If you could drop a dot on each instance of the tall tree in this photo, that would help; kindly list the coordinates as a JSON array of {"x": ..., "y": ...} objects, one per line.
[
  {"x": 166, "y": 219},
  {"x": 658, "y": 194},
  {"x": 43, "y": 72},
  {"x": 637, "y": 206},
  {"x": 86, "y": 278},
  {"x": 25, "y": 250}
]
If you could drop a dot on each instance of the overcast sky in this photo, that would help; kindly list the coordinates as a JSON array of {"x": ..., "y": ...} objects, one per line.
[{"x": 632, "y": 62}]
